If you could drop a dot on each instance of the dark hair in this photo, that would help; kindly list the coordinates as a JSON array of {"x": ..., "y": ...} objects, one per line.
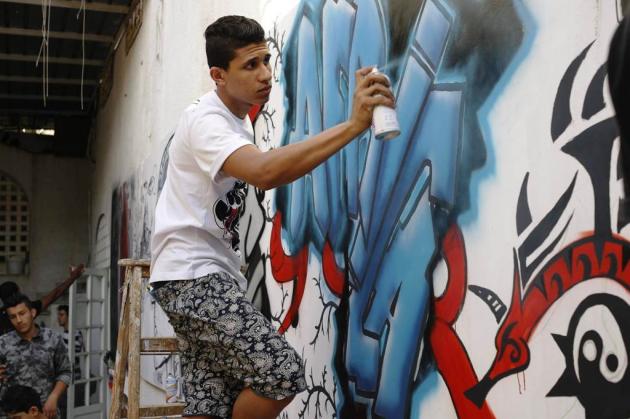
[
  {"x": 63, "y": 307},
  {"x": 226, "y": 35},
  {"x": 20, "y": 399},
  {"x": 7, "y": 289},
  {"x": 17, "y": 299}
]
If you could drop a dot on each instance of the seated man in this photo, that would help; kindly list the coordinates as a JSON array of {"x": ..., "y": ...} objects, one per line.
[
  {"x": 35, "y": 356},
  {"x": 22, "y": 402}
]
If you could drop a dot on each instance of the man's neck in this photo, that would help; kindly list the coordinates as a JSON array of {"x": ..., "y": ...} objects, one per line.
[
  {"x": 33, "y": 331},
  {"x": 239, "y": 109}
]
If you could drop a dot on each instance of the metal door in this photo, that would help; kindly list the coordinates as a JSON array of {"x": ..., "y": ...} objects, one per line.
[{"x": 89, "y": 317}]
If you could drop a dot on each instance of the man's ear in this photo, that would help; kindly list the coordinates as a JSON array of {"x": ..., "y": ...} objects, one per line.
[
  {"x": 218, "y": 75},
  {"x": 34, "y": 312},
  {"x": 34, "y": 412}
]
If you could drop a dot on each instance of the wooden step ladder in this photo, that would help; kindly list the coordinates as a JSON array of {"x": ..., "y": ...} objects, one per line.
[{"x": 129, "y": 330}]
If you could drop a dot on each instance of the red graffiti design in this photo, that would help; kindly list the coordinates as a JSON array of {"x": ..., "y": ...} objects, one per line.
[
  {"x": 253, "y": 112},
  {"x": 589, "y": 257},
  {"x": 449, "y": 352},
  {"x": 286, "y": 268}
]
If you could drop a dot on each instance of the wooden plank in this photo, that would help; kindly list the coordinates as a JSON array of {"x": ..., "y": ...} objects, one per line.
[
  {"x": 122, "y": 350},
  {"x": 52, "y": 60},
  {"x": 37, "y": 33},
  {"x": 75, "y": 4},
  {"x": 134, "y": 22},
  {"x": 51, "y": 98},
  {"x": 171, "y": 409},
  {"x": 134, "y": 262},
  {"x": 150, "y": 346},
  {"x": 135, "y": 323},
  {"x": 159, "y": 411},
  {"x": 145, "y": 263}
]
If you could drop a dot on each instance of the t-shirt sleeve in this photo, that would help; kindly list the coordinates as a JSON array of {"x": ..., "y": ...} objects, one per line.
[{"x": 212, "y": 141}]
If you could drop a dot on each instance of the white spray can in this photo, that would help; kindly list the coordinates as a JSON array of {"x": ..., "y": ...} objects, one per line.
[
  {"x": 171, "y": 389},
  {"x": 384, "y": 120}
]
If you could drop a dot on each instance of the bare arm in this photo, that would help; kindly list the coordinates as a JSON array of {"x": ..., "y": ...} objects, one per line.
[
  {"x": 50, "y": 407},
  {"x": 58, "y": 291},
  {"x": 267, "y": 170}
]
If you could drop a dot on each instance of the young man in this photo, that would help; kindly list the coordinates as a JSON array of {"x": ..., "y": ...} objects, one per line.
[
  {"x": 22, "y": 402},
  {"x": 8, "y": 288},
  {"x": 234, "y": 363},
  {"x": 34, "y": 356},
  {"x": 63, "y": 318}
]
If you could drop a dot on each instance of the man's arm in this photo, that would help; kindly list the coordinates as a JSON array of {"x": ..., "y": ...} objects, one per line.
[
  {"x": 61, "y": 362},
  {"x": 267, "y": 170},
  {"x": 50, "y": 407},
  {"x": 48, "y": 299}
]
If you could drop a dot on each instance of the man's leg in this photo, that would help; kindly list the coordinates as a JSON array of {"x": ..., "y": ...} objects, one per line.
[
  {"x": 208, "y": 394},
  {"x": 251, "y": 405},
  {"x": 226, "y": 344},
  {"x": 256, "y": 356}
]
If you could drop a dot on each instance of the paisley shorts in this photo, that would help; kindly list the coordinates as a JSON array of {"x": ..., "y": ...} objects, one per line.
[{"x": 226, "y": 344}]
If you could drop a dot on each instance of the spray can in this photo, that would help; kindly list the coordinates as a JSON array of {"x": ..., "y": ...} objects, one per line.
[
  {"x": 384, "y": 120},
  {"x": 171, "y": 389}
]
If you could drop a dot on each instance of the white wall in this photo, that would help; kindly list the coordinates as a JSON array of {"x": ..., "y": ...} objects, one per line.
[
  {"x": 164, "y": 72},
  {"x": 57, "y": 189}
]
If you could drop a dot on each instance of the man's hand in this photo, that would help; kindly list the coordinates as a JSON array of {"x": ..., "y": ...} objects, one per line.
[
  {"x": 76, "y": 271},
  {"x": 50, "y": 407},
  {"x": 372, "y": 89}
]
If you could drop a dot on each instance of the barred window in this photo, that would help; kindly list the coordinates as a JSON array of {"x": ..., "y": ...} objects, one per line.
[{"x": 14, "y": 220}]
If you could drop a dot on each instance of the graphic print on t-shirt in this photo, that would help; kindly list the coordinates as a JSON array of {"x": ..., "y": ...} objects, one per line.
[{"x": 228, "y": 211}]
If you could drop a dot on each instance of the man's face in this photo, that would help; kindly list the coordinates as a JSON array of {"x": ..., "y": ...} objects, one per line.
[
  {"x": 62, "y": 318},
  {"x": 33, "y": 413},
  {"x": 248, "y": 77},
  {"x": 21, "y": 318}
]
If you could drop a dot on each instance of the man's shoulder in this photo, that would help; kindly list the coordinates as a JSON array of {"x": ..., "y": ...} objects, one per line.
[
  {"x": 9, "y": 338},
  {"x": 50, "y": 334},
  {"x": 208, "y": 106}
]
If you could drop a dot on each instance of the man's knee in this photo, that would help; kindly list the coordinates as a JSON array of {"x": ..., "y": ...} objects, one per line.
[{"x": 285, "y": 402}]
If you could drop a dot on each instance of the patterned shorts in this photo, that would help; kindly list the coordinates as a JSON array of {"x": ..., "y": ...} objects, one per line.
[{"x": 226, "y": 345}]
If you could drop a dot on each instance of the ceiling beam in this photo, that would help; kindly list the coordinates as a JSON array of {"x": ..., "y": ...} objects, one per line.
[
  {"x": 55, "y": 60},
  {"x": 51, "y": 98},
  {"x": 106, "y": 39},
  {"x": 41, "y": 112},
  {"x": 51, "y": 80},
  {"x": 74, "y": 4}
]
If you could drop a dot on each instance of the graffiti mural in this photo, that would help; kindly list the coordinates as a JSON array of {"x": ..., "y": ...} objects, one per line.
[
  {"x": 475, "y": 264},
  {"x": 474, "y": 267}
]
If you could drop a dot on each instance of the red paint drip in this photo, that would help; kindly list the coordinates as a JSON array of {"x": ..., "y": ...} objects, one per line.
[{"x": 286, "y": 268}]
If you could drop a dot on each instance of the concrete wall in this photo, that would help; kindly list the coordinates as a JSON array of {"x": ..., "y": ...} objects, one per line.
[
  {"x": 58, "y": 190},
  {"x": 473, "y": 267},
  {"x": 163, "y": 73}
]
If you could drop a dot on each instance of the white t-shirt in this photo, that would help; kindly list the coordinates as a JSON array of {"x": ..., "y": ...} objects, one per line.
[{"x": 196, "y": 217}]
